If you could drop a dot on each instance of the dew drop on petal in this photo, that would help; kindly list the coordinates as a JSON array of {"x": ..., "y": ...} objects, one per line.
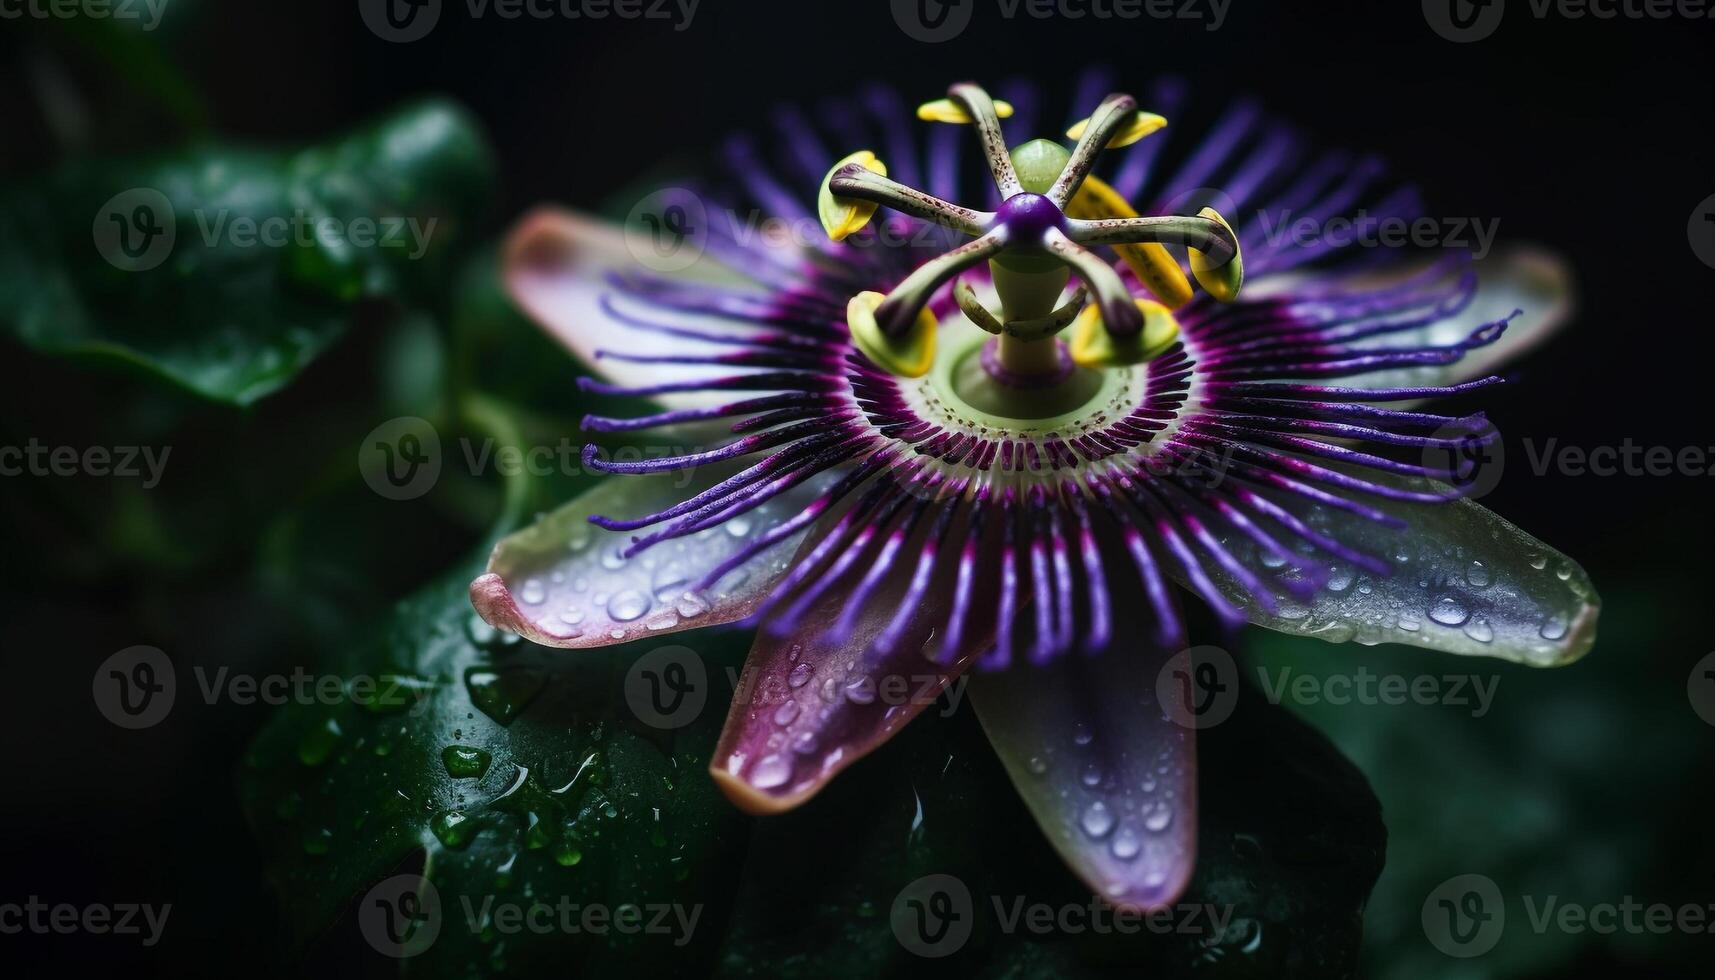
[
  {"x": 1158, "y": 820},
  {"x": 1448, "y": 611},
  {"x": 799, "y": 675},
  {"x": 1125, "y": 845},
  {"x": 771, "y": 771},
  {"x": 1478, "y": 575},
  {"x": 787, "y": 713},
  {"x": 1553, "y": 628},
  {"x": 533, "y": 593},
  {"x": 1340, "y": 580},
  {"x": 1097, "y": 819},
  {"x": 738, "y": 527},
  {"x": 628, "y": 605},
  {"x": 1479, "y": 630},
  {"x": 1538, "y": 561}
]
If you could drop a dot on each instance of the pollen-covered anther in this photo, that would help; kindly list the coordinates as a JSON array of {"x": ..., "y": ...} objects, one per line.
[
  {"x": 1140, "y": 125},
  {"x": 841, "y": 216},
  {"x": 1094, "y": 346},
  {"x": 908, "y": 354},
  {"x": 949, "y": 111}
]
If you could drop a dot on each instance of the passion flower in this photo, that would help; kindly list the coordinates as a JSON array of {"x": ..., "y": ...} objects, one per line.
[{"x": 964, "y": 435}]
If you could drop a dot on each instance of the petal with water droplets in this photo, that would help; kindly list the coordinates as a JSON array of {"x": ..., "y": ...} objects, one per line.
[
  {"x": 563, "y": 582},
  {"x": 1110, "y": 778}
]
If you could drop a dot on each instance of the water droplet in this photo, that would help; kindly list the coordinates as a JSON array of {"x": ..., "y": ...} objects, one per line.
[
  {"x": 572, "y": 616},
  {"x": 691, "y": 605},
  {"x": 578, "y": 539},
  {"x": 1038, "y": 765},
  {"x": 1478, "y": 575},
  {"x": 1125, "y": 845},
  {"x": 533, "y": 593},
  {"x": 1409, "y": 623},
  {"x": 1158, "y": 820},
  {"x": 567, "y": 853},
  {"x": 738, "y": 527},
  {"x": 1563, "y": 573},
  {"x": 1293, "y": 611},
  {"x": 318, "y": 743},
  {"x": 612, "y": 557},
  {"x": 803, "y": 743},
  {"x": 1092, "y": 776},
  {"x": 452, "y": 828},
  {"x": 1097, "y": 819},
  {"x": 1271, "y": 560},
  {"x": 786, "y": 714},
  {"x": 1082, "y": 735},
  {"x": 771, "y": 771},
  {"x": 1448, "y": 611},
  {"x": 860, "y": 690},
  {"x": 800, "y": 674},
  {"x": 1554, "y": 628},
  {"x": 628, "y": 605},
  {"x": 1479, "y": 630},
  {"x": 464, "y": 761},
  {"x": 1538, "y": 561},
  {"x": 503, "y": 694},
  {"x": 1340, "y": 580}
]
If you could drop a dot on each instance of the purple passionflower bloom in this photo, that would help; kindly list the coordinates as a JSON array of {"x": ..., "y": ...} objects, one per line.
[{"x": 880, "y": 446}]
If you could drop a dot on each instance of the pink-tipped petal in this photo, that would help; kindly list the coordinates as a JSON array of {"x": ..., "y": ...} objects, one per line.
[
  {"x": 813, "y": 703},
  {"x": 1109, "y": 777},
  {"x": 564, "y": 582}
]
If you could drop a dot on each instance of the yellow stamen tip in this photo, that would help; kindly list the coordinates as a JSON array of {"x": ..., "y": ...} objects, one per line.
[
  {"x": 1093, "y": 347},
  {"x": 1141, "y": 125},
  {"x": 1221, "y": 281},
  {"x": 1153, "y": 265},
  {"x": 843, "y": 216},
  {"x": 949, "y": 111},
  {"x": 907, "y": 356}
]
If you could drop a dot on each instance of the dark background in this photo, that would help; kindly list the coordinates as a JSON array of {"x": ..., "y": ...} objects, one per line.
[{"x": 1587, "y": 136}]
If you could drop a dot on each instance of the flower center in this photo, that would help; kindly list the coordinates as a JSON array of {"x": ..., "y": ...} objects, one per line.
[{"x": 1053, "y": 217}]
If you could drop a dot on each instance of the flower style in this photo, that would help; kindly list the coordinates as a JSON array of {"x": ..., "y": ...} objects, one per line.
[{"x": 913, "y": 474}]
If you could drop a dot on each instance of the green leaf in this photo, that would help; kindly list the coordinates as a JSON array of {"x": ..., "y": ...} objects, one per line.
[
  {"x": 225, "y": 270},
  {"x": 517, "y": 773}
]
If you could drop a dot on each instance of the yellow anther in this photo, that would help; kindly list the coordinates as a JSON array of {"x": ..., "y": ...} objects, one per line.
[
  {"x": 842, "y": 216},
  {"x": 909, "y": 355},
  {"x": 1093, "y": 347},
  {"x": 949, "y": 111},
  {"x": 1141, "y": 125},
  {"x": 1155, "y": 267},
  {"x": 1222, "y": 281}
]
